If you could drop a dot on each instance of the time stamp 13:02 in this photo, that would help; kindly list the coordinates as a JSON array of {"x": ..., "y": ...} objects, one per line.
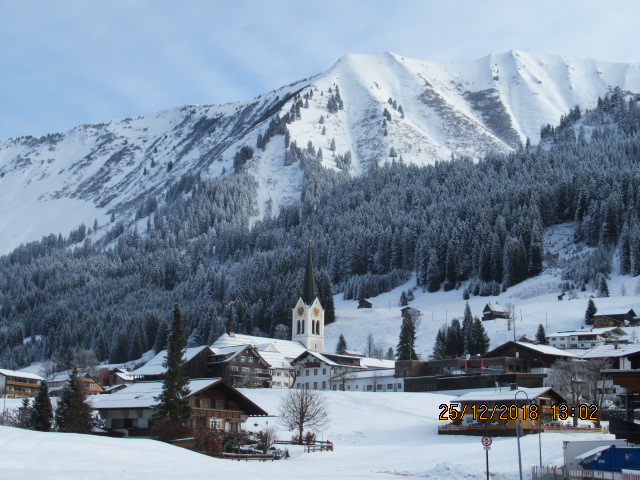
[{"x": 513, "y": 412}]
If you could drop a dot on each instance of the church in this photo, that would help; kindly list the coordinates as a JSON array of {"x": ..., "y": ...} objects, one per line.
[{"x": 297, "y": 361}]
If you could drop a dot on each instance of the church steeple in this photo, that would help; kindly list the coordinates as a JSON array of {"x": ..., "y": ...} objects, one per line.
[
  {"x": 309, "y": 287},
  {"x": 307, "y": 323}
]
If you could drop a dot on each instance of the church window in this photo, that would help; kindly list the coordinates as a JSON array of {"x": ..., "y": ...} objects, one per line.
[
  {"x": 298, "y": 326},
  {"x": 302, "y": 327}
]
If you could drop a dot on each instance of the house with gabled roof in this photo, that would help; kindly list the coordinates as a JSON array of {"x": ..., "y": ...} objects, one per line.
[
  {"x": 240, "y": 366},
  {"x": 539, "y": 356},
  {"x": 493, "y": 311},
  {"x": 214, "y": 404},
  {"x": 15, "y": 384},
  {"x": 196, "y": 364}
]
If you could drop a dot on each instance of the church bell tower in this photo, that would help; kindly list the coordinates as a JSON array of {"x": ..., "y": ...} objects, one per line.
[{"x": 307, "y": 324}]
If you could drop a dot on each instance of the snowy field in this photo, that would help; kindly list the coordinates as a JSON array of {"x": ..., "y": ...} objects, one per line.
[{"x": 376, "y": 436}]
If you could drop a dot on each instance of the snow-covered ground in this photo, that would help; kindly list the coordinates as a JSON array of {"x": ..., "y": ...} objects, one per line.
[{"x": 376, "y": 435}]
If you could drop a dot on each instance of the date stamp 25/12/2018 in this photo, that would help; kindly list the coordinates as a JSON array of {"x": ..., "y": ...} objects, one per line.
[{"x": 495, "y": 412}]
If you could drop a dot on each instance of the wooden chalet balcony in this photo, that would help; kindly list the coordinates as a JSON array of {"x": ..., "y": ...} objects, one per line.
[
  {"x": 14, "y": 383},
  {"x": 211, "y": 412}
]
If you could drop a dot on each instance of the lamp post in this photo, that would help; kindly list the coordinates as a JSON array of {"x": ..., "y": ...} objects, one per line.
[{"x": 519, "y": 429}]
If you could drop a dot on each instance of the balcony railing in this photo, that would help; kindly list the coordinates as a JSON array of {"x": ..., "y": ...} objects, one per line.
[{"x": 212, "y": 412}]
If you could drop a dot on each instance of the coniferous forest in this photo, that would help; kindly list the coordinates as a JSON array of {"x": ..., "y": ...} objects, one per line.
[{"x": 476, "y": 226}]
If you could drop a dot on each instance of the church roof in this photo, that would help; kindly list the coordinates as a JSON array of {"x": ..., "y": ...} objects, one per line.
[{"x": 309, "y": 287}]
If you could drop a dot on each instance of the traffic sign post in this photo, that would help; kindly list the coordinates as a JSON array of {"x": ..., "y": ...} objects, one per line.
[{"x": 486, "y": 443}]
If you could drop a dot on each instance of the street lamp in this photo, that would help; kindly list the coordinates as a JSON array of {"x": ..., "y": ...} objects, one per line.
[{"x": 519, "y": 429}]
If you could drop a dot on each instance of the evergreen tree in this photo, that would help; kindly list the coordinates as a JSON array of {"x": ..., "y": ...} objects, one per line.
[
  {"x": 455, "y": 339},
  {"x": 481, "y": 340},
  {"x": 433, "y": 272},
  {"x": 590, "y": 312},
  {"x": 603, "y": 288},
  {"x": 406, "y": 342},
  {"x": 41, "y": 412},
  {"x": 404, "y": 301},
  {"x": 341, "y": 347},
  {"x": 173, "y": 409},
  {"x": 541, "y": 335},
  {"x": 390, "y": 355},
  {"x": 440, "y": 347},
  {"x": 74, "y": 413},
  {"x": 467, "y": 327}
]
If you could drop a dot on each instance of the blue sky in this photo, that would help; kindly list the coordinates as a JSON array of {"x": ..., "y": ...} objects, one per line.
[{"x": 63, "y": 63}]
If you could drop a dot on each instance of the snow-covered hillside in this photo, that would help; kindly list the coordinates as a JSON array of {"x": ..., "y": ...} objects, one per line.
[
  {"x": 376, "y": 435},
  {"x": 54, "y": 183},
  {"x": 535, "y": 302}
]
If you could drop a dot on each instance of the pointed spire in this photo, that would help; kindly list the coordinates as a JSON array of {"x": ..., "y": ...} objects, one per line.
[{"x": 309, "y": 287}]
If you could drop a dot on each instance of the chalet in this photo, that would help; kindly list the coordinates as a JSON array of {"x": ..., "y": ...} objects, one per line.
[
  {"x": 410, "y": 312},
  {"x": 196, "y": 364},
  {"x": 214, "y": 404},
  {"x": 328, "y": 371},
  {"x": 364, "y": 303},
  {"x": 240, "y": 366},
  {"x": 493, "y": 310},
  {"x": 14, "y": 384},
  {"x": 516, "y": 405},
  {"x": 111, "y": 377},
  {"x": 587, "y": 338},
  {"x": 90, "y": 385},
  {"x": 614, "y": 319},
  {"x": 539, "y": 356}
]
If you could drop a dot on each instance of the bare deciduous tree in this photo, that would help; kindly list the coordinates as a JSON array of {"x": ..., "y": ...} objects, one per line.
[
  {"x": 596, "y": 383},
  {"x": 302, "y": 409},
  {"x": 566, "y": 377}
]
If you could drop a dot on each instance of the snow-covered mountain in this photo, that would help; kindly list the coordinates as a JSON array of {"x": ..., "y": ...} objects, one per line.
[{"x": 54, "y": 183}]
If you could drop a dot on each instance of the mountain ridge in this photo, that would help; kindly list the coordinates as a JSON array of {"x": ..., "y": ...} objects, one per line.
[{"x": 489, "y": 105}]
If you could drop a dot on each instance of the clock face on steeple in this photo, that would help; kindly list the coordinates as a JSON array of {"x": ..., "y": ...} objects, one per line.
[
  {"x": 316, "y": 311},
  {"x": 300, "y": 311}
]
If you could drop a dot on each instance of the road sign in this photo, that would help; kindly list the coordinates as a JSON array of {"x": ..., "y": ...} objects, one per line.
[
  {"x": 487, "y": 448},
  {"x": 486, "y": 441}
]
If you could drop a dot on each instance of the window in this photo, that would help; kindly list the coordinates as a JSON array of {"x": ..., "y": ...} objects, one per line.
[
  {"x": 242, "y": 358},
  {"x": 315, "y": 371},
  {"x": 315, "y": 385},
  {"x": 369, "y": 388},
  {"x": 335, "y": 387},
  {"x": 306, "y": 372},
  {"x": 324, "y": 371},
  {"x": 234, "y": 368},
  {"x": 379, "y": 387},
  {"x": 306, "y": 385},
  {"x": 245, "y": 369},
  {"x": 249, "y": 359},
  {"x": 220, "y": 404},
  {"x": 390, "y": 386},
  {"x": 324, "y": 385},
  {"x": 348, "y": 387},
  {"x": 206, "y": 403}
]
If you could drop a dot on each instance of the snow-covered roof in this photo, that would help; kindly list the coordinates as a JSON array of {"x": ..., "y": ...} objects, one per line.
[
  {"x": 275, "y": 359},
  {"x": 612, "y": 350},
  {"x": 592, "y": 452},
  {"x": 15, "y": 373},
  {"x": 231, "y": 351},
  {"x": 546, "y": 349},
  {"x": 590, "y": 331},
  {"x": 154, "y": 366},
  {"x": 491, "y": 396},
  {"x": 143, "y": 394},
  {"x": 288, "y": 348},
  {"x": 494, "y": 307},
  {"x": 322, "y": 358},
  {"x": 379, "y": 363}
]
